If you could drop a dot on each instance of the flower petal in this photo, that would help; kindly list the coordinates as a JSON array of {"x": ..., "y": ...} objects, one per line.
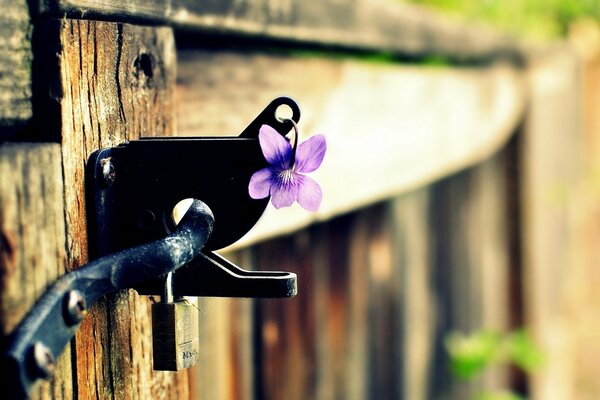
[
  {"x": 260, "y": 184},
  {"x": 284, "y": 195},
  {"x": 310, "y": 153},
  {"x": 275, "y": 148},
  {"x": 310, "y": 194}
]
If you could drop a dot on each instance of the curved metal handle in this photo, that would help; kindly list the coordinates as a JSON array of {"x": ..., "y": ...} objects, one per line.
[{"x": 43, "y": 334}]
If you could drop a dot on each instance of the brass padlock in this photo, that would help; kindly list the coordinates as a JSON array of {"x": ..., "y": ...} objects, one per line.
[{"x": 175, "y": 331}]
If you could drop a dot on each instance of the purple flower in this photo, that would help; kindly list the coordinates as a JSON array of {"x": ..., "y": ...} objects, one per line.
[{"x": 283, "y": 179}]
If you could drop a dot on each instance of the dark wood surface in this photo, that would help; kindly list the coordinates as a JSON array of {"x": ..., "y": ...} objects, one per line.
[{"x": 381, "y": 26}]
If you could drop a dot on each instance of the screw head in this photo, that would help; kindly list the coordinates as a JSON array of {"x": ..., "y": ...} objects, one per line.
[
  {"x": 43, "y": 360},
  {"x": 108, "y": 171},
  {"x": 75, "y": 307}
]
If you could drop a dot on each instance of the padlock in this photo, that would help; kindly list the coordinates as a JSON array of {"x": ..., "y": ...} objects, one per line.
[{"x": 175, "y": 331}]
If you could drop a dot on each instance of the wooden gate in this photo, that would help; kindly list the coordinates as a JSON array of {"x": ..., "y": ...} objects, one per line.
[{"x": 420, "y": 233}]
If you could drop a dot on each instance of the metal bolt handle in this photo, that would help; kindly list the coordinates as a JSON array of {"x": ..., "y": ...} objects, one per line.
[{"x": 43, "y": 334}]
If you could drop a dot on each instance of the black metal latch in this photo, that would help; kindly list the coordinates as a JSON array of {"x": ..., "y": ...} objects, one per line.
[{"x": 132, "y": 190}]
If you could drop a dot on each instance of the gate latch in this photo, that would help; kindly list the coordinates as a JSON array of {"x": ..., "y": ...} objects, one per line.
[{"x": 136, "y": 240}]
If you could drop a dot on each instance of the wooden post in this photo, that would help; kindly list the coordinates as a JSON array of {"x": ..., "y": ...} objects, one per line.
[
  {"x": 552, "y": 186},
  {"x": 117, "y": 83}
]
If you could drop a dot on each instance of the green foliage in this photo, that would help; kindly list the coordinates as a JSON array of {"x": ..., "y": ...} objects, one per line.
[
  {"x": 523, "y": 352},
  {"x": 531, "y": 18},
  {"x": 472, "y": 354}
]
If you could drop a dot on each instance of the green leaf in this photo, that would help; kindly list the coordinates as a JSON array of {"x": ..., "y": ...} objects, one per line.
[
  {"x": 523, "y": 352},
  {"x": 471, "y": 354}
]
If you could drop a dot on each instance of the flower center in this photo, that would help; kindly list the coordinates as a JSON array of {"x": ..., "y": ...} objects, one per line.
[{"x": 286, "y": 176}]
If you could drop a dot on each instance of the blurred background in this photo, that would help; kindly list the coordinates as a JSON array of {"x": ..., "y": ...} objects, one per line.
[{"x": 455, "y": 253}]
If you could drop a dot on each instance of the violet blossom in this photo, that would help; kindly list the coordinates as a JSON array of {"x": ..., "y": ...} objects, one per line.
[{"x": 284, "y": 178}]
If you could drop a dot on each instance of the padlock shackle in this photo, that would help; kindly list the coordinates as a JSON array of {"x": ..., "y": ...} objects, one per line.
[
  {"x": 43, "y": 334},
  {"x": 167, "y": 296}
]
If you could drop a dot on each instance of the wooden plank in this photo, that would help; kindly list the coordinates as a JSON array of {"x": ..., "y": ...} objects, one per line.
[
  {"x": 334, "y": 339},
  {"x": 470, "y": 268},
  {"x": 15, "y": 67},
  {"x": 408, "y": 147},
  {"x": 584, "y": 299},
  {"x": 212, "y": 377},
  {"x": 333, "y": 306},
  {"x": 286, "y": 331},
  {"x": 364, "y": 25},
  {"x": 122, "y": 11},
  {"x": 384, "y": 324},
  {"x": 242, "y": 360},
  {"x": 356, "y": 359},
  {"x": 117, "y": 83},
  {"x": 226, "y": 365},
  {"x": 32, "y": 242},
  {"x": 552, "y": 184},
  {"x": 386, "y": 286},
  {"x": 412, "y": 281},
  {"x": 381, "y": 25}
]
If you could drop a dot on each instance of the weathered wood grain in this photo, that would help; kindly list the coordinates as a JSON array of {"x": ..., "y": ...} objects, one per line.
[
  {"x": 32, "y": 242},
  {"x": 121, "y": 11},
  {"x": 390, "y": 128},
  {"x": 15, "y": 66},
  {"x": 117, "y": 83},
  {"x": 361, "y": 25}
]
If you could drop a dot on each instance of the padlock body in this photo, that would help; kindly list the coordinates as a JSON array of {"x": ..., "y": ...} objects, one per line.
[{"x": 175, "y": 332}]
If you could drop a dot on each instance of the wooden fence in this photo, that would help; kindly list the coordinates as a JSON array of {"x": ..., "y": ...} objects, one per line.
[{"x": 457, "y": 198}]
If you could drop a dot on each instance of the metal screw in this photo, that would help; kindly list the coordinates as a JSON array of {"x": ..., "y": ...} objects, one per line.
[
  {"x": 75, "y": 307},
  {"x": 108, "y": 171},
  {"x": 43, "y": 360}
]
